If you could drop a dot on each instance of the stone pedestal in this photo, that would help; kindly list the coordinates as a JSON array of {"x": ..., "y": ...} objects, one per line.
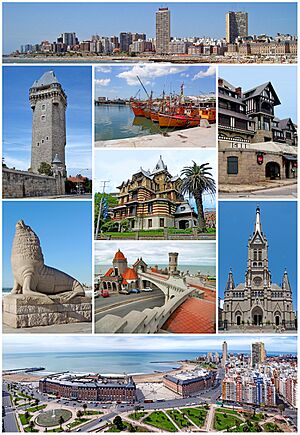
[{"x": 21, "y": 311}]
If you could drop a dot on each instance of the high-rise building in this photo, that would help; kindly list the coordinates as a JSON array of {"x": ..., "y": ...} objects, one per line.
[
  {"x": 224, "y": 353},
  {"x": 68, "y": 38},
  {"x": 236, "y": 26},
  {"x": 125, "y": 41},
  {"x": 48, "y": 103},
  {"x": 258, "y": 353},
  {"x": 163, "y": 34}
]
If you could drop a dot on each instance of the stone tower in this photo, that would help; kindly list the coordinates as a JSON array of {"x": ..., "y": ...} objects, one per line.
[
  {"x": 119, "y": 263},
  {"x": 48, "y": 103},
  {"x": 173, "y": 261}
]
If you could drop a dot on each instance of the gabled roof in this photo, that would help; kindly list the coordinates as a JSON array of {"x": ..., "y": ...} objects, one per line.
[
  {"x": 109, "y": 272},
  {"x": 129, "y": 274},
  {"x": 258, "y": 91},
  {"x": 283, "y": 123}
]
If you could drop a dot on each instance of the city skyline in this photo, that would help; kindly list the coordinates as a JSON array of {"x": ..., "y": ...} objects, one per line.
[
  {"x": 122, "y": 82},
  {"x": 132, "y": 160},
  {"x": 20, "y": 19},
  {"x": 285, "y": 85},
  {"x": 281, "y": 234},
  {"x": 204, "y": 253},
  {"x": 16, "y": 344},
  {"x": 56, "y": 224},
  {"x": 17, "y": 116}
]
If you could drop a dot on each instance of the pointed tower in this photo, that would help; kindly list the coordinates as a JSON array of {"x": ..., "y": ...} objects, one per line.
[
  {"x": 286, "y": 283},
  {"x": 48, "y": 103},
  {"x": 258, "y": 276},
  {"x": 230, "y": 282}
]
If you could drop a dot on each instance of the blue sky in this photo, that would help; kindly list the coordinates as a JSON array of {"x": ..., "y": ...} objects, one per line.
[
  {"x": 283, "y": 79},
  {"x": 33, "y": 22},
  {"x": 128, "y": 162},
  {"x": 121, "y": 81},
  {"x": 279, "y": 224},
  {"x": 64, "y": 230},
  {"x": 126, "y": 343},
  {"x": 17, "y": 115}
]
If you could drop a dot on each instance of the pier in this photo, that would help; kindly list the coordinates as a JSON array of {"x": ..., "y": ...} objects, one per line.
[{"x": 24, "y": 370}]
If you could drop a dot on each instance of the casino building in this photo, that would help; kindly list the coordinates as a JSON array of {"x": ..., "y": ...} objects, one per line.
[
  {"x": 90, "y": 387},
  {"x": 190, "y": 383}
]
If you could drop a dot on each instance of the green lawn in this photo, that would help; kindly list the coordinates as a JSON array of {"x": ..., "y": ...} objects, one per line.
[
  {"x": 137, "y": 415},
  {"x": 271, "y": 427},
  {"x": 27, "y": 429},
  {"x": 225, "y": 419},
  {"x": 57, "y": 429},
  {"x": 24, "y": 420},
  {"x": 92, "y": 412},
  {"x": 178, "y": 418},
  {"x": 77, "y": 422},
  {"x": 160, "y": 420},
  {"x": 36, "y": 408},
  {"x": 197, "y": 415},
  {"x": 152, "y": 233}
]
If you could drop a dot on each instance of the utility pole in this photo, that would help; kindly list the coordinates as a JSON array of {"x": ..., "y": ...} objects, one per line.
[{"x": 104, "y": 182}]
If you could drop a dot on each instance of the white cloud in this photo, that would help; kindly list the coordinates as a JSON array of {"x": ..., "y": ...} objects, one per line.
[
  {"x": 103, "y": 69},
  {"x": 149, "y": 72},
  {"x": 102, "y": 82},
  {"x": 211, "y": 71}
]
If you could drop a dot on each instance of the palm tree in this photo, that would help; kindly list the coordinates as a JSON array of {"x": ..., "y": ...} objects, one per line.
[{"x": 197, "y": 181}]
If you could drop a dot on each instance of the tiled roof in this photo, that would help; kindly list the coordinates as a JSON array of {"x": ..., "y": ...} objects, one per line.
[
  {"x": 129, "y": 274},
  {"x": 109, "y": 272},
  {"x": 47, "y": 79},
  {"x": 119, "y": 255}
]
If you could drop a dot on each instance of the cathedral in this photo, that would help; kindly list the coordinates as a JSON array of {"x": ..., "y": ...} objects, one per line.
[{"x": 258, "y": 302}]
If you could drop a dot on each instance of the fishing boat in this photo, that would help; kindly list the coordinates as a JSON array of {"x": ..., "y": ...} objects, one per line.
[
  {"x": 138, "y": 108},
  {"x": 209, "y": 114},
  {"x": 177, "y": 121}
]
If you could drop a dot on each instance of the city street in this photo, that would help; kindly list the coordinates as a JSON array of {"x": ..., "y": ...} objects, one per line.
[
  {"x": 289, "y": 191},
  {"x": 9, "y": 419}
]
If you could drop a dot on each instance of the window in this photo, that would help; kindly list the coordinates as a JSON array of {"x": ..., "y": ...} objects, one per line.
[
  {"x": 150, "y": 208},
  {"x": 149, "y": 223},
  {"x": 43, "y": 117},
  {"x": 161, "y": 222},
  {"x": 38, "y": 144},
  {"x": 232, "y": 165},
  {"x": 43, "y": 107}
]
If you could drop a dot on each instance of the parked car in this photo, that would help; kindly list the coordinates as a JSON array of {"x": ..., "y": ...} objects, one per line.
[
  {"x": 147, "y": 289},
  {"x": 135, "y": 290},
  {"x": 104, "y": 293}
]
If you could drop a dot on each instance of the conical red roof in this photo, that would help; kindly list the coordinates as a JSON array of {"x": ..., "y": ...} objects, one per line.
[{"x": 119, "y": 255}]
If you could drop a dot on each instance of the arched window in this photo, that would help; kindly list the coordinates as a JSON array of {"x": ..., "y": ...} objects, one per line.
[{"x": 232, "y": 165}]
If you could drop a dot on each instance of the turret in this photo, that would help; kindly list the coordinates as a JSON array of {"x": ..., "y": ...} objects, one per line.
[
  {"x": 286, "y": 283},
  {"x": 230, "y": 282}
]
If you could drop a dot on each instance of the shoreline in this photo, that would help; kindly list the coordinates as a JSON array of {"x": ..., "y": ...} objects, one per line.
[{"x": 138, "y": 378}]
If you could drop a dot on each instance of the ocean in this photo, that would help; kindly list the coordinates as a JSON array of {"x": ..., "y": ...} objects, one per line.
[{"x": 103, "y": 362}]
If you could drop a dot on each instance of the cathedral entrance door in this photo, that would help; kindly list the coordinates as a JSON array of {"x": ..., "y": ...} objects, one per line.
[{"x": 257, "y": 316}]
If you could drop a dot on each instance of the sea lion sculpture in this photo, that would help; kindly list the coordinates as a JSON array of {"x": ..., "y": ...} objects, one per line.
[{"x": 31, "y": 275}]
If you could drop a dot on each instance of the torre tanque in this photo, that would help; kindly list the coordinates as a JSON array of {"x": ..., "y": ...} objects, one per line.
[
  {"x": 258, "y": 303},
  {"x": 47, "y": 173}
]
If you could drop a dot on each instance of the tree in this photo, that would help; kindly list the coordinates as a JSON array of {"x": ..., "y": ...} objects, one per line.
[
  {"x": 26, "y": 415},
  {"x": 45, "y": 169},
  {"x": 87, "y": 185},
  {"x": 118, "y": 422},
  {"x": 281, "y": 407},
  {"x": 197, "y": 181},
  {"x": 131, "y": 428},
  {"x": 108, "y": 201},
  {"x": 79, "y": 413},
  {"x": 31, "y": 425},
  {"x": 61, "y": 421},
  {"x": 84, "y": 407}
]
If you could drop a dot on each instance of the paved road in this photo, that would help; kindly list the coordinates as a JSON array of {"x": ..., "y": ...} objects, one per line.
[
  {"x": 139, "y": 305},
  {"x": 289, "y": 191},
  {"x": 117, "y": 298},
  {"x": 9, "y": 420}
]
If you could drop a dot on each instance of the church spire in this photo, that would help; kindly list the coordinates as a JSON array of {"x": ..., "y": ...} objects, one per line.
[
  {"x": 230, "y": 282},
  {"x": 285, "y": 282},
  {"x": 257, "y": 228}
]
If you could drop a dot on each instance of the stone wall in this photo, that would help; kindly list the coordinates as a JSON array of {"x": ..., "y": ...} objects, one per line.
[
  {"x": 249, "y": 171},
  {"x": 22, "y": 184}
]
